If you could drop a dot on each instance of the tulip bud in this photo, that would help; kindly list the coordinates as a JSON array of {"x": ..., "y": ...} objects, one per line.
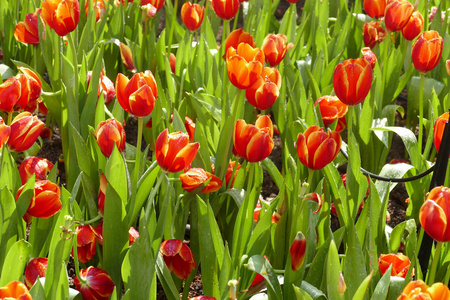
[
  {"x": 172, "y": 62},
  {"x": 397, "y": 14},
  {"x": 192, "y": 15},
  {"x": 156, "y": 3},
  {"x": 426, "y": 51},
  {"x": 45, "y": 201},
  {"x": 99, "y": 7},
  {"x": 275, "y": 47},
  {"x": 25, "y": 130},
  {"x": 225, "y": 9},
  {"x": 196, "y": 177},
  {"x": 36, "y": 267},
  {"x": 230, "y": 170},
  {"x": 38, "y": 166},
  {"x": 108, "y": 133},
  {"x": 434, "y": 214},
  {"x": 15, "y": 290},
  {"x": 127, "y": 57},
  {"x": 94, "y": 283},
  {"x": 61, "y": 15},
  {"x": 341, "y": 285},
  {"x": 28, "y": 31},
  {"x": 101, "y": 194},
  {"x": 314, "y": 197},
  {"x": 178, "y": 258},
  {"x": 236, "y": 37},
  {"x": 297, "y": 251},
  {"x": 106, "y": 86},
  {"x": 374, "y": 8},
  {"x": 86, "y": 236},
  {"x": 133, "y": 234},
  {"x": 447, "y": 66}
]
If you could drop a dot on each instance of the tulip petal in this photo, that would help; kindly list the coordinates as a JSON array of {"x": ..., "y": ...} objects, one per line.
[{"x": 433, "y": 220}]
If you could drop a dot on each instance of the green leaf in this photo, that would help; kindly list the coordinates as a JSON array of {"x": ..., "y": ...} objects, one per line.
[
  {"x": 9, "y": 223},
  {"x": 362, "y": 289},
  {"x": 166, "y": 279},
  {"x": 15, "y": 262},
  {"x": 333, "y": 270},
  {"x": 260, "y": 265},
  {"x": 382, "y": 288}
]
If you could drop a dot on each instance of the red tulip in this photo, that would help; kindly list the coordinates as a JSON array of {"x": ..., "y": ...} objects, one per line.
[
  {"x": 426, "y": 51},
  {"x": 38, "y": 166},
  {"x": 61, "y": 15},
  {"x": 172, "y": 62},
  {"x": 397, "y": 14},
  {"x": 416, "y": 290},
  {"x": 174, "y": 152},
  {"x": 352, "y": 80},
  {"x": 192, "y": 15},
  {"x": 369, "y": 56},
  {"x": 332, "y": 109},
  {"x": 148, "y": 12},
  {"x": 27, "y": 31},
  {"x": 99, "y": 6},
  {"x": 5, "y": 131},
  {"x": 15, "y": 290},
  {"x": 253, "y": 142},
  {"x": 127, "y": 58},
  {"x": 236, "y": 37},
  {"x": 86, "y": 236},
  {"x": 374, "y": 8},
  {"x": 106, "y": 86},
  {"x": 258, "y": 277},
  {"x": 316, "y": 148},
  {"x": 156, "y": 3},
  {"x": 434, "y": 215},
  {"x": 439, "y": 126},
  {"x": 229, "y": 173},
  {"x": 195, "y": 177},
  {"x": 137, "y": 96},
  {"x": 414, "y": 26},
  {"x": 297, "y": 251},
  {"x": 190, "y": 127},
  {"x": 292, "y": 1},
  {"x": 108, "y": 133},
  {"x": 36, "y": 267},
  {"x": 101, "y": 194},
  {"x": 178, "y": 257},
  {"x": 264, "y": 92},
  {"x": 447, "y": 66},
  {"x": 225, "y": 9},
  {"x": 244, "y": 65},
  {"x": 275, "y": 47},
  {"x": 400, "y": 264},
  {"x": 45, "y": 201},
  {"x": 16, "y": 92},
  {"x": 25, "y": 130},
  {"x": 373, "y": 33},
  {"x": 95, "y": 284}
]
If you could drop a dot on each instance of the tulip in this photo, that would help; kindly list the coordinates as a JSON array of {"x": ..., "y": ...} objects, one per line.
[
  {"x": 127, "y": 58},
  {"x": 230, "y": 171},
  {"x": 190, "y": 127},
  {"x": 244, "y": 65},
  {"x": 427, "y": 50},
  {"x": 5, "y": 131},
  {"x": 253, "y": 142},
  {"x": 352, "y": 80},
  {"x": 292, "y": 1},
  {"x": 108, "y": 133},
  {"x": 15, "y": 290},
  {"x": 25, "y": 130},
  {"x": 275, "y": 47},
  {"x": 31, "y": 87},
  {"x": 342, "y": 287},
  {"x": 36, "y": 267},
  {"x": 99, "y": 7},
  {"x": 10, "y": 91},
  {"x": 314, "y": 197},
  {"x": 419, "y": 290},
  {"x": 225, "y": 9},
  {"x": 192, "y": 15},
  {"x": 38, "y": 166},
  {"x": 447, "y": 66},
  {"x": 317, "y": 148},
  {"x": 133, "y": 234},
  {"x": 106, "y": 86},
  {"x": 258, "y": 277},
  {"x": 45, "y": 201},
  {"x": 264, "y": 92},
  {"x": 196, "y": 177},
  {"x": 438, "y": 132},
  {"x": 94, "y": 284},
  {"x": 297, "y": 251},
  {"x": 101, "y": 194},
  {"x": 373, "y": 33},
  {"x": 400, "y": 264},
  {"x": 178, "y": 258},
  {"x": 174, "y": 152},
  {"x": 117, "y": 2},
  {"x": 434, "y": 215},
  {"x": 148, "y": 12},
  {"x": 397, "y": 14},
  {"x": 156, "y": 3},
  {"x": 332, "y": 109},
  {"x": 374, "y": 8},
  {"x": 137, "y": 95},
  {"x": 369, "y": 56},
  {"x": 86, "y": 237},
  {"x": 61, "y": 15},
  {"x": 172, "y": 62},
  {"x": 236, "y": 37},
  {"x": 27, "y": 31},
  {"x": 414, "y": 26}
]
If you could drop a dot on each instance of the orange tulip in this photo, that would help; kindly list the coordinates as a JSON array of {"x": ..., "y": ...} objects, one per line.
[
  {"x": 174, "y": 152},
  {"x": 15, "y": 290},
  {"x": 10, "y": 91},
  {"x": 374, "y": 8},
  {"x": 195, "y": 177},
  {"x": 352, "y": 80},
  {"x": 86, "y": 242},
  {"x": 316, "y": 148},
  {"x": 127, "y": 57},
  {"x": 137, "y": 95},
  {"x": 264, "y": 92},
  {"x": 36, "y": 267},
  {"x": 373, "y": 33},
  {"x": 192, "y": 15},
  {"x": 45, "y": 201},
  {"x": 369, "y": 56},
  {"x": 400, "y": 264},
  {"x": 414, "y": 26},
  {"x": 99, "y": 7},
  {"x": 94, "y": 284},
  {"x": 297, "y": 251},
  {"x": 38, "y": 166},
  {"x": 439, "y": 126},
  {"x": 28, "y": 31},
  {"x": 434, "y": 215},
  {"x": 101, "y": 194},
  {"x": 332, "y": 109},
  {"x": 397, "y": 14},
  {"x": 5, "y": 131},
  {"x": 108, "y": 133},
  {"x": 225, "y": 9},
  {"x": 178, "y": 257},
  {"x": 236, "y": 37},
  {"x": 156, "y": 3},
  {"x": 25, "y": 130},
  {"x": 61, "y": 15},
  {"x": 275, "y": 47},
  {"x": 244, "y": 65},
  {"x": 31, "y": 87},
  {"x": 419, "y": 290},
  {"x": 427, "y": 50},
  {"x": 190, "y": 127},
  {"x": 253, "y": 142},
  {"x": 106, "y": 86}
]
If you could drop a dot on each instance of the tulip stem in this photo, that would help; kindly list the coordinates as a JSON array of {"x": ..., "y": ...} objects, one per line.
[
  {"x": 138, "y": 151},
  {"x": 226, "y": 103},
  {"x": 422, "y": 81},
  {"x": 437, "y": 254},
  {"x": 95, "y": 219},
  {"x": 10, "y": 114}
]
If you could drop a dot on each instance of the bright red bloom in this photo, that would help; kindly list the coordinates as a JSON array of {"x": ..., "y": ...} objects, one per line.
[
  {"x": 264, "y": 92},
  {"x": 192, "y": 15},
  {"x": 316, "y": 148},
  {"x": 156, "y": 3},
  {"x": 373, "y": 33},
  {"x": 108, "y": 133},
  {"x": 172, "y": 62},
  {"x": 275, "y": 47},
  {"x": 253, "y": 142},
  {"x": 352, "y": 80},
  {"x": 99, "y": 6},
  {"x": 397, "y": 14},
  {"x": 417, "y": 290},
  {"x": 95, "y": 284},
  {"x": 195, "y": 177},
  {"x": 15, "y": 290},
  {"x": 86, "y": 237},
  {"x": 297, "y": 251},
  {"x": 38, "y": 166},
  {"x": 236, "y": 37},
  {"x": 106, "y": 86},
  {"x": 414, "y": 26},
  {"x": 174, "y": 152},
  {"x": 178, "y": 258},
  {"x": 439, "y": 126},
  {"x": 369, "y": 56},
  {"x": 16, "y": 92},
  {"x": 61, "y": 15},
  {"x": 230, "y": 170},
  {"x": 225, "y": 9},
  {"x": 45, "y": 201},
  {"x": 332, "y": 109},
  {"x": 434, "y": 215},
  {"x": 5, "y": 131},
  {"x": 292, "y": 1},
  {"x": 244, "y": 65},
  {"x": 25, "y": 130},
  {"x": 190, "y": 127},
  {"x": 36, "y": 267},
  {"x": 28, "y": 30},
  {"x": 426, "y": 51},
  {"x": 374, "y": 8},
  {"x": 137, "y": 95},
  {"x": 400, "y": 264}
]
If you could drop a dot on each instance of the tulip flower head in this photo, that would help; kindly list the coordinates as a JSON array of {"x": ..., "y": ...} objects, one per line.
[
  {"x": 101, "y": 194},
  {"x": 5, "y": 130},
  {"x": 178, "y": 258},
  {"x": 15, "y": 290},
  {"x": 172, "y": 62},
  {"x": 397, "y": 14},
  {"x": 192, "y": 15},
  {"x": 332, "y": 109},
  {"x": 419, "y": 290},
  {"x": 316, "y": 148},
  {"x": 100, "y": 9},
  {"x": 374, "y": 8},
  {"x": 369, "y": 56},
  {"x": 25, "y": 130},
  {"x": 434, "y": 215},
  {"x": 225, "y": 9},
  {"x": 297, "y": 251},
  {"x": 106, "y": 86},
  {"x": 264, "y": 92},
  {"x": 275, "y": 47},
  {"x": 36, "y": 267},
  {"x": 400, "y": 264},
  {"x": 238, "y": 36},
  {"x": 253, "y": 142},
  {"x": 86, "y": 237},
  {"x": 46, "y": 200},
  {"x": 244, "y": 65},
  {"x": 61, "y": 15},
  {"x": 127, "y": 57},
  {"x": 173, "y": 151},
  {"x": 28, "y": 31},
  {"x": 414, "y": 26},
  {"x": 108, "y": 133},
  {"x": 439, "y": 126},
  {"x": 373, "y": 33},
  {"x": 94, "y": 284},
  {"x": 196, "y": 177},
  {"x": 426, "y": 51},
  {"x": 159, "y": 4},
  {"x": 137, "y": 95},
  {"x": 447, "y": 66},
  {"x": 38, "y": 166},
  {"x": 229, "y": 173},
  {"x": 352, "y": 80}
]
